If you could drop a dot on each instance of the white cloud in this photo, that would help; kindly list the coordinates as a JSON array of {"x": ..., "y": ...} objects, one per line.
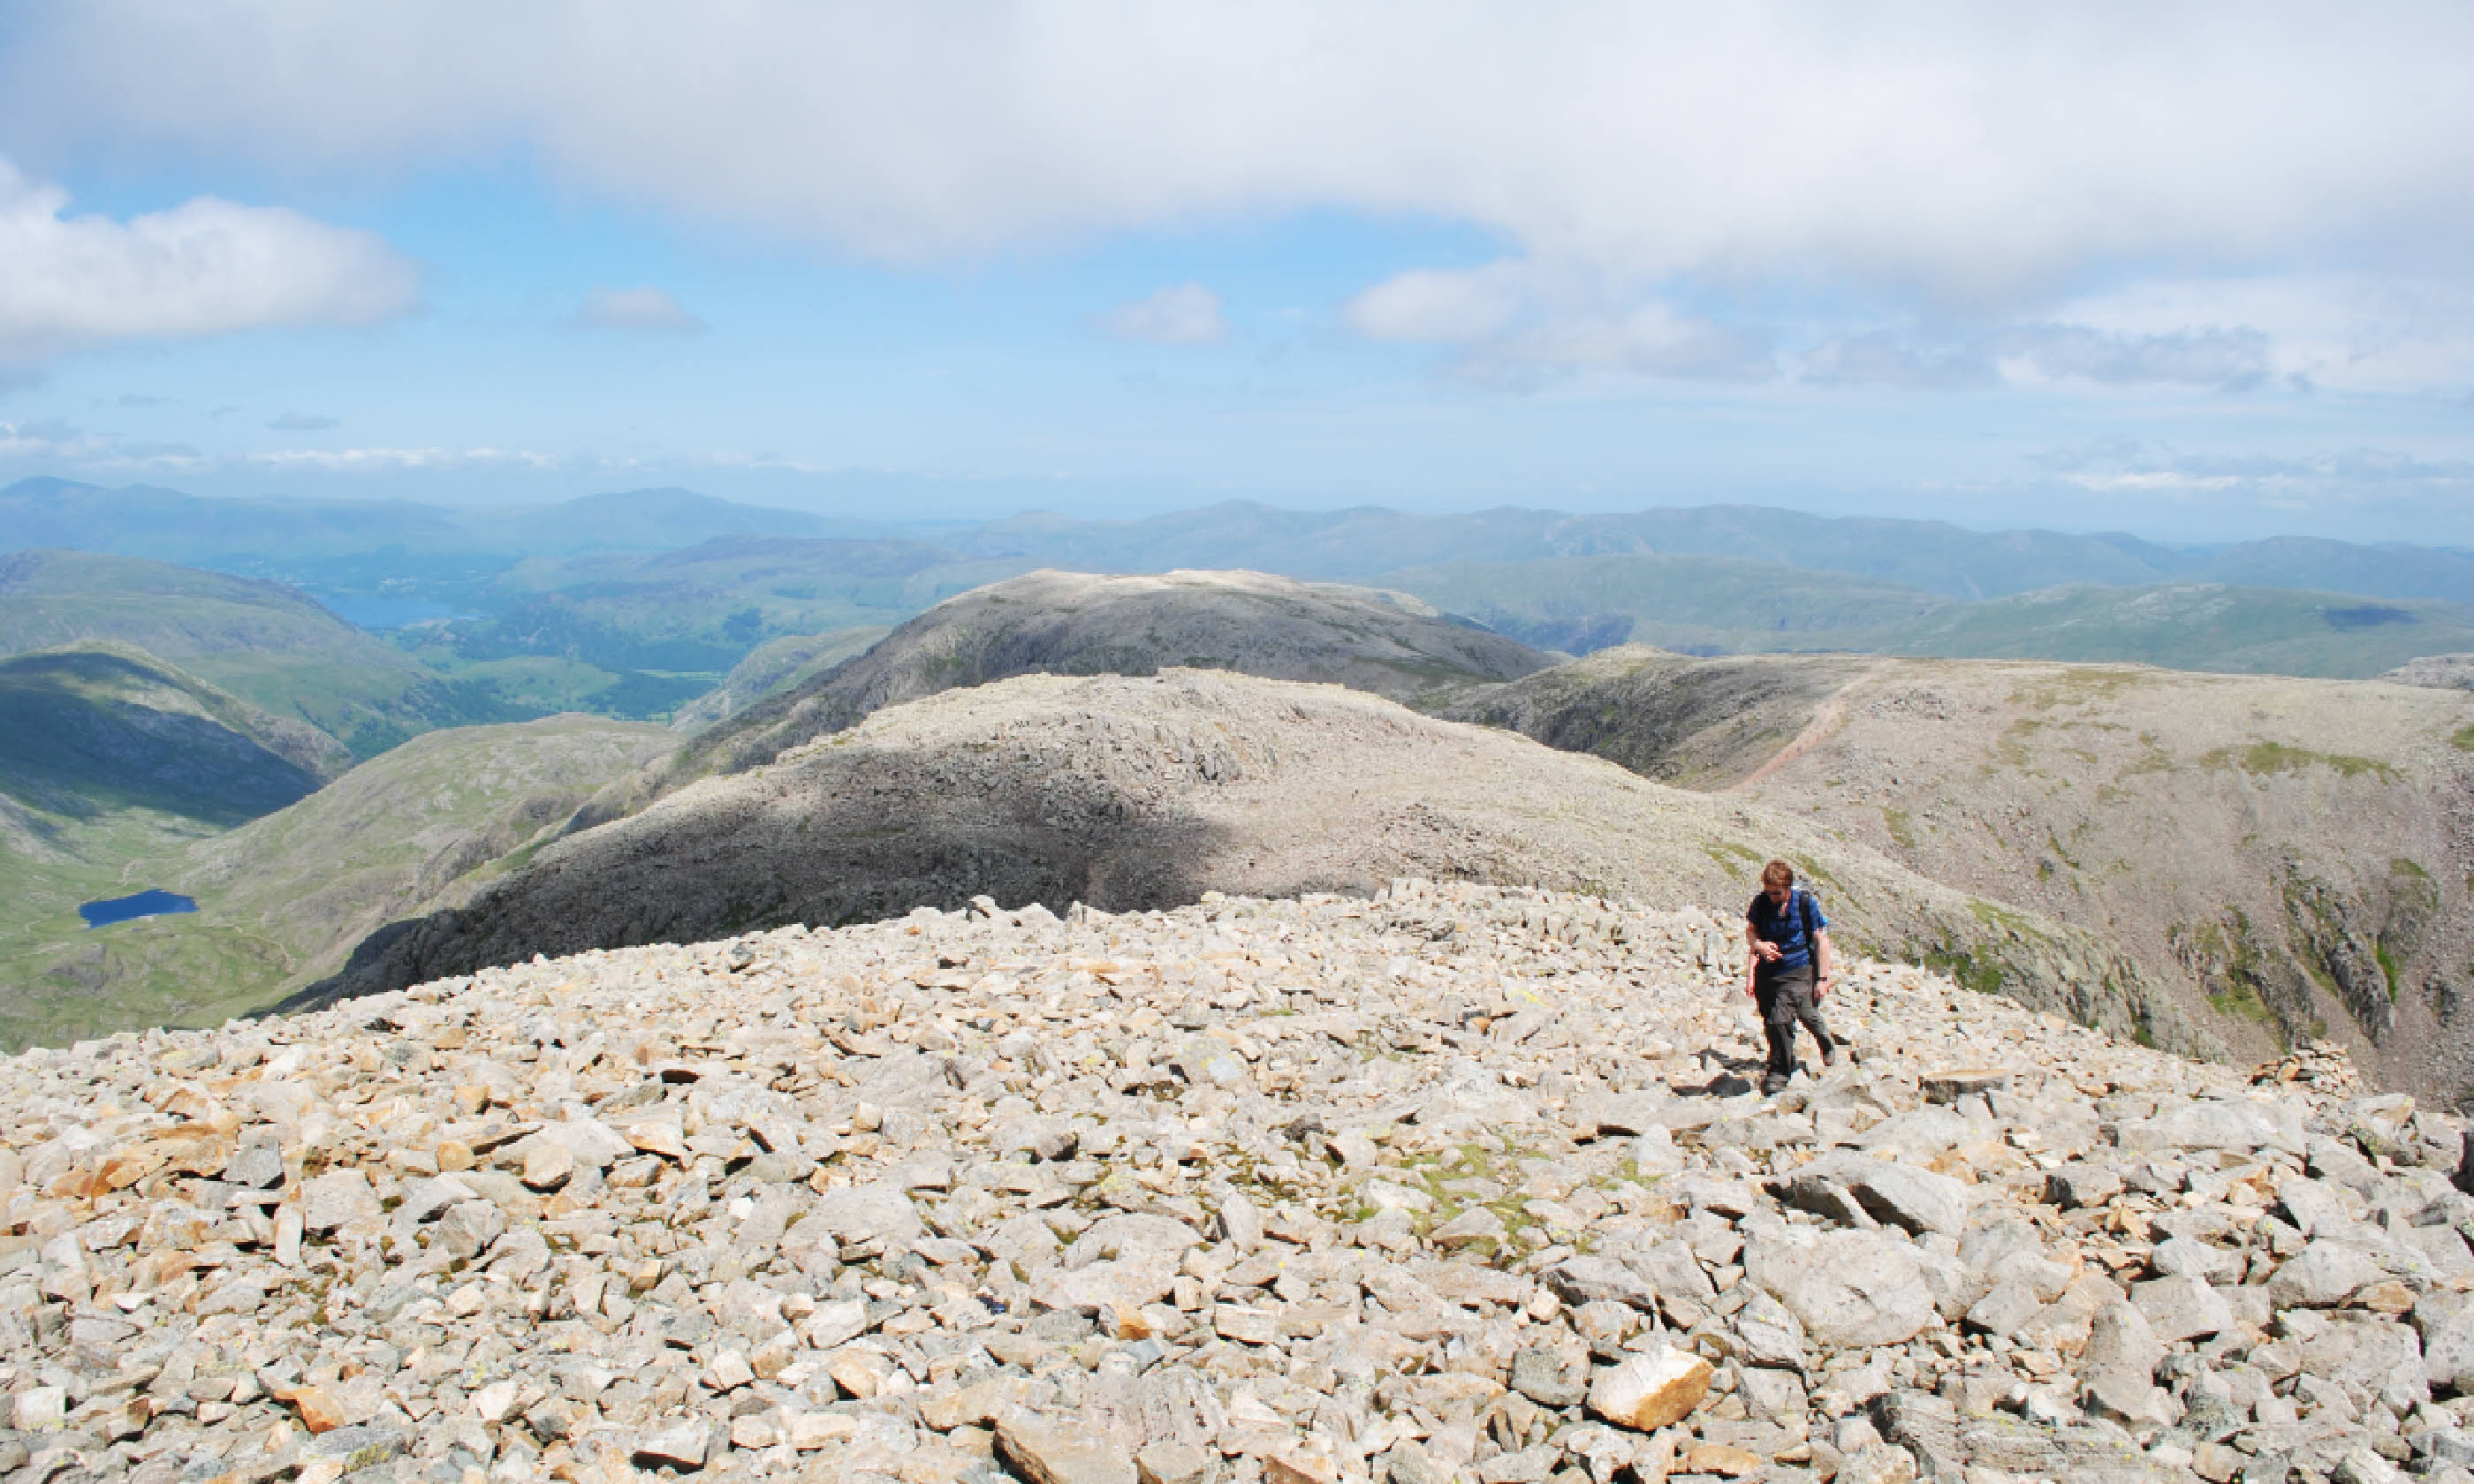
[
  {"x": 340, "y": 461},
  {"x": 205, "y": 267},
  {"x": 1187, "y": 314},
  {"x": 1441, "y": 306},
  {"x": 1883, "y": 358},
  {"x": 2227, "y": 359},
  {"x": 647, "y": 309},
  {"x": 2233, "y": 359},
  {"x": 1517, "y": 325},
  {"x": 2351, "y": 483},
  {"x": 1963, "y": 153}
]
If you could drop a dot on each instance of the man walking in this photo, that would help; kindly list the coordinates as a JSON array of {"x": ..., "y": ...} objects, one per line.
[{"x": 1788, "y": 971}]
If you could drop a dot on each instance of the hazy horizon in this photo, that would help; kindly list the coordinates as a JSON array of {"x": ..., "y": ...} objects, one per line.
[{"x": 2191, "y": 275}]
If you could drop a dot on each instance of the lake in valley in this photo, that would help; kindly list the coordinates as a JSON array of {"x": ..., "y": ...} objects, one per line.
[{"x": 145, "y": 904}]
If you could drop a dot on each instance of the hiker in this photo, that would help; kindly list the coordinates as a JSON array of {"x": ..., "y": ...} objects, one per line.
[{"x": 1788, "y": 970}]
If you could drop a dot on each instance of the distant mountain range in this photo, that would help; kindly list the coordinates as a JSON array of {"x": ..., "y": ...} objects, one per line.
[
  {"x": 320, "y": 543},
  {"x": 1930, "y": 555}
]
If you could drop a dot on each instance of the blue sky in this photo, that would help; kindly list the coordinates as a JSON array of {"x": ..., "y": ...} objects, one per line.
[{"x": 2197, "y": 271}]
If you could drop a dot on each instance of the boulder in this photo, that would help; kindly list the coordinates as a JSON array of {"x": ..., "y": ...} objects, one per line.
[
  {"x": 1579, "y": 1280},
  {"x": 1851, "y": 1290},
  {"x": 2182, "y": 1307},
  {"x": 337, "y": 1198},
  {"x": 1651, "y": 1389},
  {"x": 2324, "y": 1276}
]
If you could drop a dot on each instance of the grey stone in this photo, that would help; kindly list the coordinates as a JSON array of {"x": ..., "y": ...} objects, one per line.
[
  {"x": 1825, "y": 1197},
  {"x": 2005, "y": 1310},
  {"x": 2182, "y": 1307},
  {"x": 2239, "y": 1126},
  {"x": 2121, "y": 1340},
  {"x": 1241, "y": 1223},
  {"x": 1849, "y": 1289},
  {"x": 257, "y": 1166},
  {"x": 357, "y": 1447},
  {"x": 2183, "y": 1255},
  {"x": 2079, "y": 1186},
  {"x": 2324, "y": 1276},
  {"x": 337, "y": 1198},
  {"x": 2369, "y": 1355},
  {"x": 1579, "y": 1280},
  {"x": 423, "y": 1199},
  {"x": 468, "y": 1227},
  {"x": 1544, "y": 1377},
  {"x": 591, "y": 1142},
  {"x": 1917, "y": 1200},
  {"x": 1167, "y": 1461},
  {"x": 683, "y": 1444},
  {"x": 1627, "y": 1114},
  {"x": 1772, "y": 1394},
  {"x": 1407, "y": 1463},
  {"x": 1767, "y": 1333},
  {"x": 2309, "y": 1207},
  {"x": 1048, "y": 1450},
  {"x": 2448, "y": 1348},
  {"x": 856, "y": 1215},
  {"x": 2362, "y": 1466}
]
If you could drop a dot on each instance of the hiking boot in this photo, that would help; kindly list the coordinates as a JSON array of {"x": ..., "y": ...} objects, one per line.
[
  {"x": 1829, "y": 1054},
  {"x": 1773, "y": 1085}
]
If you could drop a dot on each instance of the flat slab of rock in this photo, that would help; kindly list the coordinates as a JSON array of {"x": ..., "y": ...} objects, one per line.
[
  {"x": 1851, "y": 1290},
  {"x": 1062, "y": 1450}
]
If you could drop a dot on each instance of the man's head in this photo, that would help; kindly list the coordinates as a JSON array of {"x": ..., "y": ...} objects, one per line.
[{"x": 1778, "y": 879}]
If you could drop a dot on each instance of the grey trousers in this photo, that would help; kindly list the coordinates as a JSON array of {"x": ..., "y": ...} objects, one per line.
[{"x": 1786, "y": 997}]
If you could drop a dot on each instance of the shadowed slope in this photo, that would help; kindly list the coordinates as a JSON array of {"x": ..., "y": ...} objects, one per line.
[
  {"x": 1072, "y": 623},
  {"x": 92, "y": 726}
]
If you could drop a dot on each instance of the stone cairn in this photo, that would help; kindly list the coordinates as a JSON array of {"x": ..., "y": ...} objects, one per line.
[{"x": 1453, "y": 1185}]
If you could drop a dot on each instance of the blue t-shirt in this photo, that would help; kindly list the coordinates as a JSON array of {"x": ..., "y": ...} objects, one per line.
[{"x": 1791, "y": 927}]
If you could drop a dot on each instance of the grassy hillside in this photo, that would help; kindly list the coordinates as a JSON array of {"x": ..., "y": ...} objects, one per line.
[
  {"x": 1716, "y": 605},
  {"x": 771, "y": 668},
  {"x": 62, "y": 981},
  {"x": 91, "y": 728},
  {"x": 283, "y": 898},
  {"x": 265, "y": 642},
  {"x": 2387, "y": 570},
  {"x": 112, "y": 763},
  {"x": 2192, "y": 627},
  {"x": 405, "y": 830},
  {"x": 1690, "y": 605},
  {"x": 643, "y": 635}
]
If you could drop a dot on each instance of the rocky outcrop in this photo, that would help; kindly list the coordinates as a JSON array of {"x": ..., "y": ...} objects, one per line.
[
  {"x": 1450, "y": 1183},
  {"x": 2440, "y": 672},
  {"x": 1142, "y": 794},
  {"x": 2291, "y": 857},
  {"x": 1694, "y": 723}
]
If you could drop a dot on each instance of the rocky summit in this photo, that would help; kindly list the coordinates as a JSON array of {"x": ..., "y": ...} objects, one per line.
[{"x": 1451, "y": 1184}]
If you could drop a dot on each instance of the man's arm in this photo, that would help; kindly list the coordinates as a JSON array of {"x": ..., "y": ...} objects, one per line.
[
  {"x": 1763, "y": 947},
  {"x": 1825, "y": 959}
]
